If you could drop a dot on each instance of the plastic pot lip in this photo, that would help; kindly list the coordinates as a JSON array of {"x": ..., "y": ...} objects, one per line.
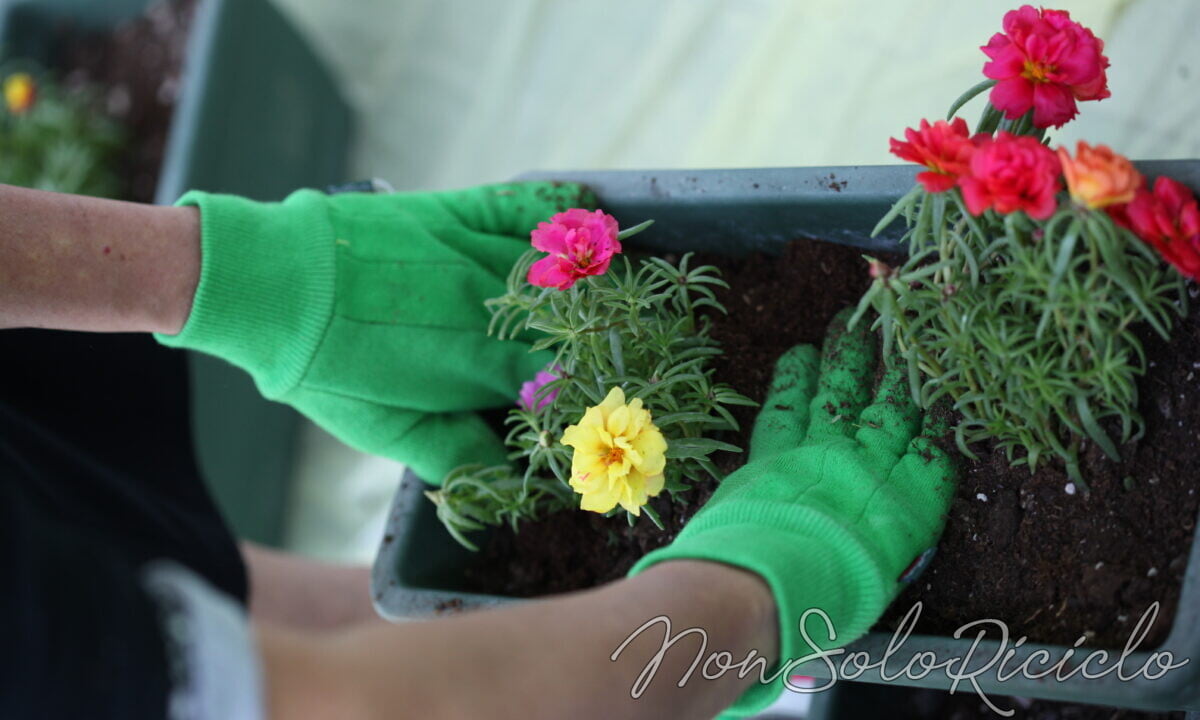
[{"x": 745, "y": 210}]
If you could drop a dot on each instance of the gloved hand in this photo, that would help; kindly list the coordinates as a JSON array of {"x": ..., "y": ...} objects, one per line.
[
  {"x": 365, "y": 312},
  {"x": 840, "y": 495}
]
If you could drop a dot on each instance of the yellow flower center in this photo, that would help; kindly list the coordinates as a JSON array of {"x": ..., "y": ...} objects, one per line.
[
  {"x": 614, "y": 456},
  {"x": 1036, "y": 71}
]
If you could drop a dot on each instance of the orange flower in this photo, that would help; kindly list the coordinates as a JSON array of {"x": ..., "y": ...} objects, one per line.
[
  {"x": 19, "y": 92},
  {"x": 1098, "y": 177}
]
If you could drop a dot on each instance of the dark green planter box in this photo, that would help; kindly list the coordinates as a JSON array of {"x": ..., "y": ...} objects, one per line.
[
  {"x": 257, "y": 115},
  {"x": 418, "y": 569}
]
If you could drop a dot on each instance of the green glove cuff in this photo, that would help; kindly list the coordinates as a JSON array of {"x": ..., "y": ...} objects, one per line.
[
  {"x": 808, "y": 559},
  {"x": 266, "y": 287}
]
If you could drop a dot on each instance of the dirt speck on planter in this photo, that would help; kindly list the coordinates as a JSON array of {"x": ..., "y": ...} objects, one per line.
[{"x": 448, "y": 607}]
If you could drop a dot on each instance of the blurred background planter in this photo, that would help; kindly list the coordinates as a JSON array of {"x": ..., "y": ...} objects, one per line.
[
  {"x": 418, "y": 570},
  {"x": 256, "y": 114}
]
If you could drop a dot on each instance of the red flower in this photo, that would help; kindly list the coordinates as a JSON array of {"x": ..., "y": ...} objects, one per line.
[
  {"x": 1010, "y": 173},
  {"x": 945, "y": 148},
  {"x": 1168, "y": 220},
  {"x": 580, "y": 243},
  {"x": 1047, "y": 61}
]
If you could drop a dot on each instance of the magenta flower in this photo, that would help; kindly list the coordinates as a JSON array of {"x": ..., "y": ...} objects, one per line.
[
  {"x": 1046, "y": 61},
  {"x": 580, "y": 243},
  {"x": 530, "y": 389}
]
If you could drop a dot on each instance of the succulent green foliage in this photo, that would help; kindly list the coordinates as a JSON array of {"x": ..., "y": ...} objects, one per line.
[
  {"x": 641, "y": 326},
  {"x": 1028, "y": 327},
  {"x": 62, "y": 143},
  {"x": 473, "y": 496}
]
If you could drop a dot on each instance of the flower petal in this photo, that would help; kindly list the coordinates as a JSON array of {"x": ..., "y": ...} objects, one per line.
[
  {"x": 1013, "y": 96},
  {"x": 550, "y": 237},
  {"x": 1053, "y": 105},
  {"x": 618, "y": 420},
  {"x": 612, "y": 401},
  {"x": 551, "y": 272},
  {"x": 651, "y": 447},
  {"x": 600, "y": 501}
]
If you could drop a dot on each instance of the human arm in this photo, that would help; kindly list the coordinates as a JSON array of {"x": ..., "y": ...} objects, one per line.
[
  {"x": 845, "y": 486},
  {"x": 845, "y": 491},
  {"x": 298, "y": 592},
  {"x": 78, "y": 263},
  {"x": 363, "y": 311},
  {"x": 543, "y": 659}
]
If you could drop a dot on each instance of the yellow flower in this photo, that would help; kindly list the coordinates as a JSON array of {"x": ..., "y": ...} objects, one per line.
[
  {"x": 19, "y": 92},
  {"x": 619, "y": 455}
]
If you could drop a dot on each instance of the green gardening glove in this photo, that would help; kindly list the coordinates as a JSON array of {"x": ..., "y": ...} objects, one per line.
[
  {"x": 841, "y": 495},
  {"x": 365, "y": 311}
]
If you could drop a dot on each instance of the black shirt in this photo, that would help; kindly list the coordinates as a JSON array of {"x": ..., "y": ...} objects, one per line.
[{"x": 97, "y": 476}]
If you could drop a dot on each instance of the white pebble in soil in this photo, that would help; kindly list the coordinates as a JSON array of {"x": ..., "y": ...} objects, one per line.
[
  {"x": 981, "y": 497},
  {"x": 1070, "y": 488},
  {"x": 1151, "y": 572}
]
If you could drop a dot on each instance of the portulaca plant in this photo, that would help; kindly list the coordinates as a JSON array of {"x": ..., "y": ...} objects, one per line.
[
  {"x": 627, "y": 408},
  {"x": 1032, "y": 272},
  {"x": 52, "y": 138}
]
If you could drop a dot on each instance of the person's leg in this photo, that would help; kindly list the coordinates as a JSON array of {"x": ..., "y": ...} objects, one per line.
[{"x": 545, "y": 659}]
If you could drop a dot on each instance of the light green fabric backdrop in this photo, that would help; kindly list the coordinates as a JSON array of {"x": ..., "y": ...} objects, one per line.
[{"x": 453, "y": 92}]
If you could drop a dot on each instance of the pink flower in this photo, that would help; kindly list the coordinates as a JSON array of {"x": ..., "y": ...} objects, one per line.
[
  {"x": 944, "y": 148},
  {"x": 1047, "y": 61},
  {"x": 1168, "y": 220},
  {"x": 1010, "y": 173},
  {"x": 580, "y": 243},
  {"x": 529, "y": 391}
]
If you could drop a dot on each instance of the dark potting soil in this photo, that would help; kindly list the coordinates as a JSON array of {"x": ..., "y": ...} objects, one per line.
[
  {"x": 1051, "y": 564},
  {"x": 136, "y": 71},
  {"x": 774, "y": 304},
  {"x": 1054, "y": 565}
]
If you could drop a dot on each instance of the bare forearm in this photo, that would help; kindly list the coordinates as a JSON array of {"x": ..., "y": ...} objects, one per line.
[
  {"x": 77, "y": 263},
  {"x": 297, "y": 592},
  {"x": 545, "y": 659}
]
